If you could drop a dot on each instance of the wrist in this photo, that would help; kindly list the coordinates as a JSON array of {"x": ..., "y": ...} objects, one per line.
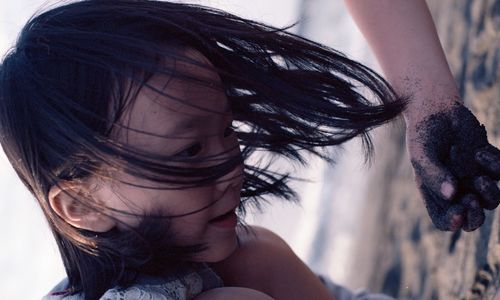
[{"x": 426, "y": 99}]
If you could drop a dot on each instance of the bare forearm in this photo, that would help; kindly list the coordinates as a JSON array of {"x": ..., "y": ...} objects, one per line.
[
  {"x": 403, "y": 37},
  {"x": 447, "y": 145}
]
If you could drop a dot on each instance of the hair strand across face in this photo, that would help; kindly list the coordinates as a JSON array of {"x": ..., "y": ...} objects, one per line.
[{"x": 76, "y": 69}]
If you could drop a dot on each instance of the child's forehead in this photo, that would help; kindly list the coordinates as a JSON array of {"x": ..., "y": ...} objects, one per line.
[
  {"x": 182, "y": 95},
  {"x": 172, "y": 104},
  {"x": 193, "y": 88},
  {"x": 167, "y": 103}
]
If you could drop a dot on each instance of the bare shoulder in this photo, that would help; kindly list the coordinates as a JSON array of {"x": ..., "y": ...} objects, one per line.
[
  {"x": 261, "y": 248},
  {"x": 257, "y": 237},
  {"x": 265, "y": 262},
  {"x": 257, "y": 260},
  {"x": 233, "y": 293}
]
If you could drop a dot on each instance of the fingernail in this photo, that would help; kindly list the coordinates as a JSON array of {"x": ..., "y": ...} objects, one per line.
[
  {"x": 456, "y": 222},
  {"x": 447, "y": 189}
]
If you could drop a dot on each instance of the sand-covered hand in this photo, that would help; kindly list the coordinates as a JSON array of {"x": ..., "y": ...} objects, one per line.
[{"x": 455, "y": 167}]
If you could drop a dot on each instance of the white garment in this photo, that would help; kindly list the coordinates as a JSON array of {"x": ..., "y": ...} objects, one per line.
[{"x": 184, "y": 287}]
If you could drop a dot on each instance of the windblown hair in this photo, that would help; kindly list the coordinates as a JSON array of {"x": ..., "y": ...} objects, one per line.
[{"x": 76, "y": 68}]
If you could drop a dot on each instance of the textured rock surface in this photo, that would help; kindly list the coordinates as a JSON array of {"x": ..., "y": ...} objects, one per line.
[{"x": 411, "y": 259}]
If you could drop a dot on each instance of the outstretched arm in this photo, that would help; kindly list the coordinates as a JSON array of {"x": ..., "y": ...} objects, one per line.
[{"x": 455, "y": 166}]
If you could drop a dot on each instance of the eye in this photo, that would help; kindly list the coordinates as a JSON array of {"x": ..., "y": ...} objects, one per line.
[
  {"x": 228, "y": 132},
  {"x": 191, "y": 151}
]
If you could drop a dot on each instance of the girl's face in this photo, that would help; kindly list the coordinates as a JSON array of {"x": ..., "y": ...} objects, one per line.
[{"x": 200, "y": 133}]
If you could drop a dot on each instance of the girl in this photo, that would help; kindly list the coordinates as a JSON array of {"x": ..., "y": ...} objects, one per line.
[{"x": 133, "y": 123}]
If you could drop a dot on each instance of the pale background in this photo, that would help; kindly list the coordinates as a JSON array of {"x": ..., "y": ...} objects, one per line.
[{"x": 323, "y": 230}]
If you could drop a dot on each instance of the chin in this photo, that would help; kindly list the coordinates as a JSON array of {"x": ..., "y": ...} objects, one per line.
[{"x": 219, "y": 251}]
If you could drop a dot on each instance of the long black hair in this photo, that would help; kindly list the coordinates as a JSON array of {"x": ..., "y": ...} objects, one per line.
[{"x": 76, "y": 68}]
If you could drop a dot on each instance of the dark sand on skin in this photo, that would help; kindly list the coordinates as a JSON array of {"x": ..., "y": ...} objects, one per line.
[
  {"x": 401, "y": 252},
  {"x": 452, "y": 139}
]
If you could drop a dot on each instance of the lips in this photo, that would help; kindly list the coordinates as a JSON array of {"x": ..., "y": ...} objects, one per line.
[{"x": 227, "y": 220}]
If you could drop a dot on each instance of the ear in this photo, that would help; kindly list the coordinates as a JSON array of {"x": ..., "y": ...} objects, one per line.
[{"x": 63, "y": 202}]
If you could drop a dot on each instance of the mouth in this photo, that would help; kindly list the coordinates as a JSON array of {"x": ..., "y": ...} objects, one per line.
[{"x": 227, "y": 220}]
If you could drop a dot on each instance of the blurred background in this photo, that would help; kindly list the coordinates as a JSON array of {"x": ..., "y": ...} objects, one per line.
[{"x": 363, "y": 227}]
